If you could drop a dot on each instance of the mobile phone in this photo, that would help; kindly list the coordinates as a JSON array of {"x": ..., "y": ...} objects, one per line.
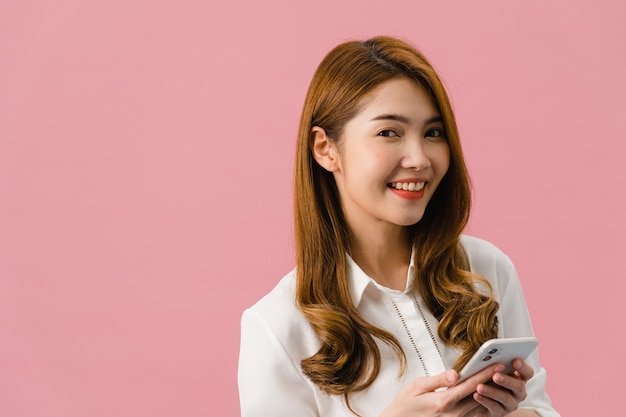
[{"x": 502, "y": 351}]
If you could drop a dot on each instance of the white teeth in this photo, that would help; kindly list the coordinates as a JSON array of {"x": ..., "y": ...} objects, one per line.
[{"x": 408, "y": 186}]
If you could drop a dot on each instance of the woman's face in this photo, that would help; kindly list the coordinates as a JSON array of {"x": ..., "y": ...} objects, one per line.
[{"x": 391, "y": 157}]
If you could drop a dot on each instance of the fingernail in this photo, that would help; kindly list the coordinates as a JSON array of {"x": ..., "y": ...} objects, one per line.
[
  {"x": 499, "y": 368},
  {"x": 451, "y": 376}
]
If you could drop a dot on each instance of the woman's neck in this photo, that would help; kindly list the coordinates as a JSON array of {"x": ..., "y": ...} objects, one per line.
[{"x": 384, "y": 257}]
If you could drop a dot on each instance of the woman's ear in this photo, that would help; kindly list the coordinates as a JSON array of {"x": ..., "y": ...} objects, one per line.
[{"x": 324, "y": 151}]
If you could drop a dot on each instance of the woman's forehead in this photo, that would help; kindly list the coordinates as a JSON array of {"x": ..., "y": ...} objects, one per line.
[{"x": 399, "y": 98}]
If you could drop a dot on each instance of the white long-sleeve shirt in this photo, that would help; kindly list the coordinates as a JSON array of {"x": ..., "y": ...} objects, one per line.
[{"x": 275, "y": 337}]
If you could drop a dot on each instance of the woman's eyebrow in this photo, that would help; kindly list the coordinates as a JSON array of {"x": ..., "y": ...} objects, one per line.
[
  {"x": 404, "y": 119},
  {"x": 395, "y": 117},
  {"x": 434, "y": 119}
]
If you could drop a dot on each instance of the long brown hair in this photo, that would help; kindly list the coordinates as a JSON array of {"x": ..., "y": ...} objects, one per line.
[{"x": 348, "y": 359}]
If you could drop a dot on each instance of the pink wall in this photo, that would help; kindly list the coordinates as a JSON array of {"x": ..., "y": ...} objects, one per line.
[{"x": 145, "y": 184}]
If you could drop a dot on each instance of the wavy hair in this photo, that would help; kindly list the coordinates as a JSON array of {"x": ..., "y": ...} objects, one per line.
[{"x": 348, "y": 359}]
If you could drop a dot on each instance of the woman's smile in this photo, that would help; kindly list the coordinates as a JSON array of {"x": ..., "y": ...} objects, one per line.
[
  {"x": 391, "y": 157},
  {"x": 412, "y": 189}
]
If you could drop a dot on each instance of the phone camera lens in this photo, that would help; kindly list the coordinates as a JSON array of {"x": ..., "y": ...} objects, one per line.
[
  {"x": 492, "y": 351},
  {"x": 486, "y": 358}
]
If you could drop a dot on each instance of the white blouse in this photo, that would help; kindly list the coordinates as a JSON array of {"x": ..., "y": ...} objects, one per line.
[{"x": 275, "y": 337}]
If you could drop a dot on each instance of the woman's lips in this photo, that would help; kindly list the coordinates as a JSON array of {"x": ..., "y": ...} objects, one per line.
[{"x": 410, "y": 189}]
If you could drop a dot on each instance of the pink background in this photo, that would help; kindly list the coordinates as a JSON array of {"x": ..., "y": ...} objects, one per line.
[{"x": 146, "y": 152}]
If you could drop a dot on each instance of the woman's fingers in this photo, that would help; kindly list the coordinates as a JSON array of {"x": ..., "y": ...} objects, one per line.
[
  {"x": 515, "y": 383},
  {"x": 504, "y": 396},
  {"x": 496, "y": 399},
  {"x": 429, "y": 396},
  {"x": 492, "y": 407},
  {"x": 432, "y": 383},
  {"x": 523, "y": 370},
  {"x": 441, "y": 394}
]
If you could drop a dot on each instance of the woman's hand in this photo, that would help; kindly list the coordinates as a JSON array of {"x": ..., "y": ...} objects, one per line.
[
  {"x": 503, "y": 397},
  {"x": 439, "y": 396},
  {"x": 471, "y": 398}
]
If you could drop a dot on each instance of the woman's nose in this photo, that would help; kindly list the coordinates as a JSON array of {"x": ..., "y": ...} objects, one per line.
[{"x": 415, "y": 156}]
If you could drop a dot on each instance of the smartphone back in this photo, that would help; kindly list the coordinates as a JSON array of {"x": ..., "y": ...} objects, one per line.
[{"x": 502, "y": 351}]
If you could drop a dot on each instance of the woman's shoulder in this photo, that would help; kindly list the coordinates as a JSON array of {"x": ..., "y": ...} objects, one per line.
[
  {"x": 478, "y": 245},
  {"x": 486, "y": 258},
  {"x": 280, "y": 300},
  {"x": 277, "y": 311}
]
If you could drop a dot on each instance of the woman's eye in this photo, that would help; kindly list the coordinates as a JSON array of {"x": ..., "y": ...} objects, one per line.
[
  {"x": 388, "y": 133},
  {"x": 434, "y": 133}
]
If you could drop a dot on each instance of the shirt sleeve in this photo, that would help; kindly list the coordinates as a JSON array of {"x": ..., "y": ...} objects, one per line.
[
  {"x": 515, "y": 322},
  {"x": 270, "y": 383}
]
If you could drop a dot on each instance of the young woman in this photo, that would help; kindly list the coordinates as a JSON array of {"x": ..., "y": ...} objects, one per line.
[{"x": 388, "y": 300}]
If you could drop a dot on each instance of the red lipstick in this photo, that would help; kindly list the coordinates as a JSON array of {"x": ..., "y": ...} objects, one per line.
[{"x": 407, "y": 194}]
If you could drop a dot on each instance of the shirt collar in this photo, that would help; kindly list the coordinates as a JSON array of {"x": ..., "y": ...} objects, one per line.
[{"x": 359, "y": 281}]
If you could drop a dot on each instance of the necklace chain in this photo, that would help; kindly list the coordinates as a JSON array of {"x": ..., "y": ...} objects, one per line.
[
  {"x": 430, "y": 332},
  {"x": 408, "y": 332}
]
